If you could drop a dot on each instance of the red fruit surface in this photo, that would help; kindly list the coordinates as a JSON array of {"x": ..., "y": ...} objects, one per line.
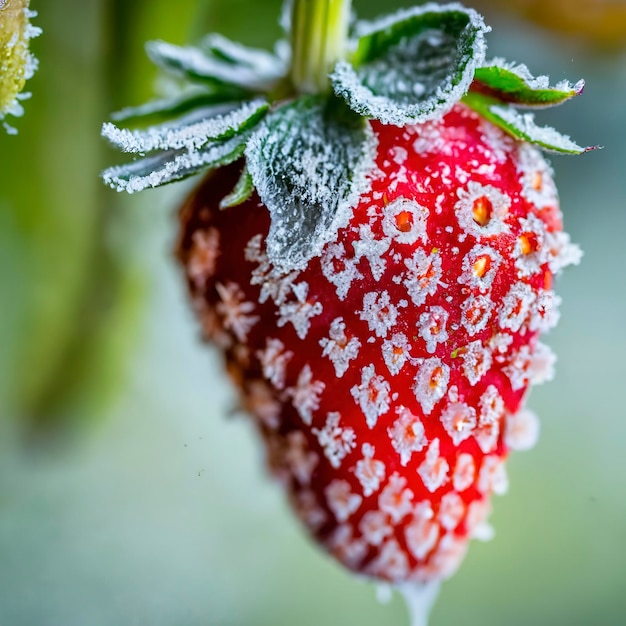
[{"x": 388, "y": 376}]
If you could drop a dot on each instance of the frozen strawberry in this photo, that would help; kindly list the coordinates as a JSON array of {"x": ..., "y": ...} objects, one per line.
[
  {"x": 388, "y": 375},
  {"x": 373, "y": 251}
]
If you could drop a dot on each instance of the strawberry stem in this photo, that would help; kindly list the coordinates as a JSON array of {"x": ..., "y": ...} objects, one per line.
[{"x": 319, "y": 31}]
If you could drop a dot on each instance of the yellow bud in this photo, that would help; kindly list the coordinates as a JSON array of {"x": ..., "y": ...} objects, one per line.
[{"x": 17, "y": 64}]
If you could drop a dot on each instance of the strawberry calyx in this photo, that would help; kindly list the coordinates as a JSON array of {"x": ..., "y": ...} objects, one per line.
[{"x": 300, "y": 115}]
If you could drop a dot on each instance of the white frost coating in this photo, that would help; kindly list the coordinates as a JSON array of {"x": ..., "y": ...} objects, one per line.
[
  {"x": 407, "y": 434},
  {"x": 310, "y": 172},
  {"x": 521, "y": 430},
  {"x": 459, "y": 420},
  {"x": 534, "y": 82},
  {"x": 336, "y": 441},
  {"x": 189, "y": 137},
  {"x": 545, "y": 136},
  {"x": 375, "y": 528},
  {"x": 189, "y": 60},
  {"x": 306, "y": 394},
  {"x": 341, "y": 501},
  {"x": 410, "y": 96},
  {"x": 338, "y": 348},
  {"x": 369, "y": 471},
  {"x": 431, "y": 383},
  {"x": 434, "y": 470},
  {"x": 422, "y": 533},
  {"x": 396, "y": 500},
  {"x": 169, "y": 166},
  {"x": 372, "y": 395}
]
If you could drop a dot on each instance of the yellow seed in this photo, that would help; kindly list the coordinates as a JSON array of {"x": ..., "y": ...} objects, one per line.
[
  {"x": 481, "y": 265},
  {"x": 482, "y": 211}
]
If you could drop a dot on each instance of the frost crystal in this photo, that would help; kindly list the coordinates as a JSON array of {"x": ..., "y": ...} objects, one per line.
[
  {"x": 395, "y": 499},
  {"x": 407, "y": 434},
  {"x": 306, "y": 394},
  {"x": 434, "y": 469},
  {"x": 341, "y": 501},
  {"x": 336, "y": 441},
  {"x": 379, "y": 313},
  {"x": 431, "y": 383},
  {"x": 338, "y": 348},
  {"x": 422, "y": 533},
  {"x": 369, "y": 471},
  {"x": 338, "y": 269},
  {"x": 372, "y": 395},
  {"x": 375, "y": 527}
]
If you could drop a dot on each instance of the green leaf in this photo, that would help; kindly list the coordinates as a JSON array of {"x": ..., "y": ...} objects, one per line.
[
  {"x": 243, "y": 191},
  {"x": 412, "y": 66},
  {"x": 191, "y": 134},
  {"x": 515, "y": 84},
  {"x": 198, "y": 66},
  {"x": 160, "y": 111},
  {"x": 522, "y": 126},
  {"x": 262, "y": 62},
  {"x": 173, "y": 165},
  {"x": 309, "y": 161}
]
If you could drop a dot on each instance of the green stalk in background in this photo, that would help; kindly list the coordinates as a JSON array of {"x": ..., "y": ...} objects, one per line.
[
  {"x": 319, "y": 33},
  {"x": 69, "y": 294}
]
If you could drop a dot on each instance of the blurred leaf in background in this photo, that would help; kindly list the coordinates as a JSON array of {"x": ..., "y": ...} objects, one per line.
[
  {"x": 71, "y": 285},
  {"x": 163, "y": 514}
]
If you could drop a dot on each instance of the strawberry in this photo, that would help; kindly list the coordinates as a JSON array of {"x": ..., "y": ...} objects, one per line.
[
  {"x": 387, "y": 377},
  {"x": 373, "y": 251}
]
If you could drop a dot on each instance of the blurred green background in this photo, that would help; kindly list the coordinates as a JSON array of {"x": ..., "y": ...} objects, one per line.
[{"x": 128, "y": 493}]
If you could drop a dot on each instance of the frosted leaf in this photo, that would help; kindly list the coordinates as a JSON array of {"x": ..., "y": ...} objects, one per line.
[
  {"x": 522, "y": 126},
  {"x": 158, "y": 111},
  {"x": 264, "y": 63},
  {"x": 414, "y": 65},
  {"x": 202, "y": 66},
  {"x": 190, "y": 136},
  {"x": 242, "y": 191},
  {"x": 513, "y": 83},
  {"x": 309, "y": 168},
  {"x": 172, "y": 165}
]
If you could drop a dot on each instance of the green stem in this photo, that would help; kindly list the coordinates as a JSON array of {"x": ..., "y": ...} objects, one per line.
[{"x": 319, "y": 32}]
